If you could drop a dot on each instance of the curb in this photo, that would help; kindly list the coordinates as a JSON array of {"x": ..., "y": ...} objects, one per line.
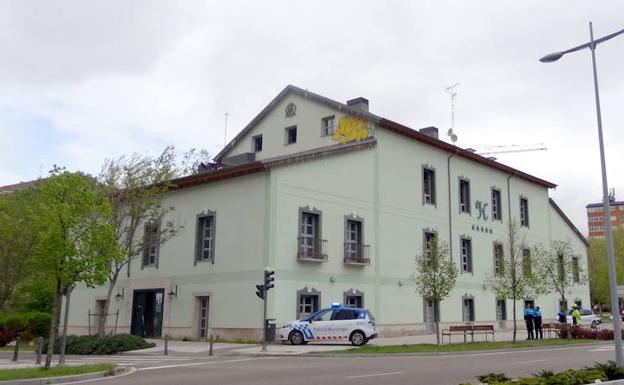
[
  {"x": 417, "y": 354},
  {"x": 69, "y": 379}
]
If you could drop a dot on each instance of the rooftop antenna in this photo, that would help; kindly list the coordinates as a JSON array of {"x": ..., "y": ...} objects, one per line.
[
  {"x": 452, "y": 93},
  {"x": 225, "y": 130}
]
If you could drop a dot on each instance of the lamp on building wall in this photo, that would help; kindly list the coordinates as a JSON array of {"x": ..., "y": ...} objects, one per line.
[
  {"x": 332, "y": 279},
  {"x": 120, "y": 294},
  {"x": 400, "y": 283},
  {"x": 173, "y": 291}
]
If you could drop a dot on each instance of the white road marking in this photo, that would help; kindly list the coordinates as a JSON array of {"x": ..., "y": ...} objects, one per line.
[
  {"x": 376, "y": 375},
  {"x": 203, "y": 363},
  {"x": 607, "y": 348},
  {"x": 530, "y": 361}
]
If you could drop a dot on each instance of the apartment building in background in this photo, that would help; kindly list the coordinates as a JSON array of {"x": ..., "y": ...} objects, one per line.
[{"x": 595, "y": 217}]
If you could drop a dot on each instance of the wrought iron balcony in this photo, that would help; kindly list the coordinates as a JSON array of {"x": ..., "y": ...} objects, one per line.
[
  {"x": 356, "y": 254},
  {"x": 311, "y": 249}
]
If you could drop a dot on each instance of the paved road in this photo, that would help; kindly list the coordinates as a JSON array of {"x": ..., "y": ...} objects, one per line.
[{"x": 389, "y": 370}]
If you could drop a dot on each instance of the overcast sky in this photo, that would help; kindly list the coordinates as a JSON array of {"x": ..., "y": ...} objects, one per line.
[{"x": 81, "y": 81}]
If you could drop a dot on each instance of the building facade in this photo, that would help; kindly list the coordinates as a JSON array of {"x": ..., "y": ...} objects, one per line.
[
  {"x": 595, "y": 217},
  {"x": 338, "y": 202}
]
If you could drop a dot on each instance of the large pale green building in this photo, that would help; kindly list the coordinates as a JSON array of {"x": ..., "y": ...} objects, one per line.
[{"x": 338, "y": 202}]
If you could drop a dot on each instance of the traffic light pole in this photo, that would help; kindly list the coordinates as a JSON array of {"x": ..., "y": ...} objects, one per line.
[{"x": 264, "y": 320}]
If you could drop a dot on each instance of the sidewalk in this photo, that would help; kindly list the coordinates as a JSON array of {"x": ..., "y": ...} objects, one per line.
[
  {"x": 202, "y": 348},
  {"x": 184, "y": 347}
]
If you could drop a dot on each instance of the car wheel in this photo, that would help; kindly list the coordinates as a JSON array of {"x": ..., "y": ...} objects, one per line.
[
  {"x": 594, "y": 325},
  {"x": 296, "y": 338},
  {"x": 358, "y": 338}
]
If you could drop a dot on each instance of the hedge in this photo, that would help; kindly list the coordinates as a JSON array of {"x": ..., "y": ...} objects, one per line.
[
  {"x": 86, "y": 345},
  {"x": 576, "y": 332},
  {"x": 603, "y": 372},
  {"x": 27, "y": 325}
]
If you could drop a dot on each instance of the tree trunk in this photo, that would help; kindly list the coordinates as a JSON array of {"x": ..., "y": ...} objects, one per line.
[
  {"x": 56, "y": 312},
  {"x": 436, "y": 318},
  {"x": 515, "y": 329},
  {"x": 104, "y": 315}
]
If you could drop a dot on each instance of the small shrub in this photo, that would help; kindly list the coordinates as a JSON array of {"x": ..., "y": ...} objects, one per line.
[
  {"x": 28, "y": 325},
  {"x": 492, "y": 378},
  {"x": 531, "y": 381},
  {"x": 86, "y": 345},
  {"x": 545, "y": 373},
  {"x": 611, "y": 370}
]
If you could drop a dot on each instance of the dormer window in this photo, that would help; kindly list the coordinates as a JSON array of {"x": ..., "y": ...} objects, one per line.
[
  {"x": 328, "y": 125},
  {"x": 257, "y": 143},
  {"x": 291, "y": 135}
]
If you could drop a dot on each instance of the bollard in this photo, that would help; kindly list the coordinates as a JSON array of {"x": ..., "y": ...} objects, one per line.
[
  {"x": 210, "y": 351},
  {"x": 166, "y": 344},
  {"x": 16, "y": 351},
  {"x": 39, "y": 350}
]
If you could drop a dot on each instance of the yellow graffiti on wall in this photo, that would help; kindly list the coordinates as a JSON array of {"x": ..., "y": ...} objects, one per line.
[{"x": 350, "y": 129}]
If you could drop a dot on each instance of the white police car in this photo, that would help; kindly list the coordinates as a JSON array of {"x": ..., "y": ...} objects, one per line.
[{"x": 336, "y": 324}]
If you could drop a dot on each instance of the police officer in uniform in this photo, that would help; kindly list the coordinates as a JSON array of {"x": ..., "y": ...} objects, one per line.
[
  {"x": 528, "y": 320},
  {"x": 537, "y": 321}
]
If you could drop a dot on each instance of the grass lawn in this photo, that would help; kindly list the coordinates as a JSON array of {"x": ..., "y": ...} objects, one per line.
[
  {"x": 55, "y": 371},
  {"x": 460, "y": 347}
]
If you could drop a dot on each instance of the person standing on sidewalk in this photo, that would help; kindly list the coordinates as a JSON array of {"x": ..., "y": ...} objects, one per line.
[
  {"x": 528, "y": 320},
  {"x": 561, "y": 317},
  {"x": 537, "y": 321},
  {"x": 576, "y": 316}
]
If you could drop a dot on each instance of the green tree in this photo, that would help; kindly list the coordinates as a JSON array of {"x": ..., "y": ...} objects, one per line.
[
  {"x": 598, "y": 267},
  {"x": 135, "y": 186},
  {"x": 508, "y": 281},
  {"x": 558, "y": 268},
  {"x": 19, "y": 236},
  {"x": 435, "y": 276},
  {"x": 77, "y": 242}
]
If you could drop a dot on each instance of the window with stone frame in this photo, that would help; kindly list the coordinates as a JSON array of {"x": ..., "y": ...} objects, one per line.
[
  {"x": 205, "y": 238},
  {"x": 291, "y": 135},
  {"x": 527, "y": 265},
  {"x": 428, "y": 238},
  {"x": 524, "y": 212},
  {"x": 499, "y": 259},
  {"x": 429, "y": 190},
  {"x": 497, "y": 209},
  {"x": 465, "y": 245},
  {"x": 328, "y": 125},
  {"x": 576, "y": 270},
  {"x": 151, "y": 244},
  {"x": 468, "y": 309},
  {"x": 464, "y": 196},
  {"x": 308, "y": 304},
  {"x": 257, "y": 143}
]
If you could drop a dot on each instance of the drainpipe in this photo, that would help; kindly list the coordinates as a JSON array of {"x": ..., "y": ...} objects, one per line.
[
  {"x": 509, "y": 210},
  {"x": 450, "y": 216}
]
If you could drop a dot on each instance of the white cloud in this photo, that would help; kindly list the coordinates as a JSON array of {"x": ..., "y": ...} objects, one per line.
[{"x": 113, "y": 77}]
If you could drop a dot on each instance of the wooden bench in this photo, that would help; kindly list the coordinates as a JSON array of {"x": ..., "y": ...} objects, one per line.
[
  {"x": 466, "y": 330},
  {"x": 458, "y": 330},
  {"x": 483, "y": 329}
]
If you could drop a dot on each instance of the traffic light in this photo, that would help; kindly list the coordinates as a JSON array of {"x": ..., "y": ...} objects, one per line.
[
  {"x": 268, "y": 279},
  {"x": 260, "y": 291}
]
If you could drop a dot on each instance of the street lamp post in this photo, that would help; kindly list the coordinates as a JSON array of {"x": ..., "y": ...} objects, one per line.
[{"x": 617, "y": 334}]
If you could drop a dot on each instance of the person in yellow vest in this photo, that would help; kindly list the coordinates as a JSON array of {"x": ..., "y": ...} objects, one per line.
[{"x": 576, "y": 316}]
